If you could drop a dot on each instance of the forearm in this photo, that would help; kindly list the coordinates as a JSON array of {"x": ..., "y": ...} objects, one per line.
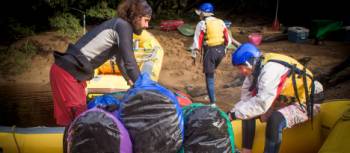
[
  {"x": 126, "y": 52},
  {"x": 235, "y": 42},
  {"x": 254, "y": 107}
]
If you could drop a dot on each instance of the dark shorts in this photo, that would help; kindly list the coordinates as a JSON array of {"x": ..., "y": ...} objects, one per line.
[{"x": 212, "y": 57}]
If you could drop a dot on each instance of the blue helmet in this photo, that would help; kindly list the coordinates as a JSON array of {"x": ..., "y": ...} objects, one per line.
[
  {"x": 206, "y": 7},
  {"x": 244, "y": 53}
]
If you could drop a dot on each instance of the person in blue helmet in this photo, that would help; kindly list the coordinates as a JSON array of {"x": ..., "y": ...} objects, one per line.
[
  {"x": 277, "y": 89},
  {"x": 212, "y": 35}
]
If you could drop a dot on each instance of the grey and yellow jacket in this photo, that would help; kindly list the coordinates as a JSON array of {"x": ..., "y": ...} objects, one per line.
[{"x": 111, "y": 38}]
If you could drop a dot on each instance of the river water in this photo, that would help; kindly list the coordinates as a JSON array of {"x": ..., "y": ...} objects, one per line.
[{"x": 26, "y": 105}]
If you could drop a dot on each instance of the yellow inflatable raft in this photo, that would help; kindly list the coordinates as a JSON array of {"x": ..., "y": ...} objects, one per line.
[
  {"x": 148, "y": 52},
  {"x": 307, "y": 137},
  {"x": 31, "y": 140},
  {"x": 328, "y": 134}
]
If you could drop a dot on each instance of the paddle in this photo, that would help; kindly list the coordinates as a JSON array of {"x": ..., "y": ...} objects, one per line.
[{"x": 276, "y": 23}]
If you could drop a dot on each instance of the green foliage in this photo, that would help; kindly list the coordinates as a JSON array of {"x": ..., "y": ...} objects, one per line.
[
  {"x": 67, "y": 25},
  {"x": 66, "y": 5},
  {"x": 169, "y": 14},
  {"x": 17, "y": 30},
  {"x": 100, "y": 12},
  {"x": 15, "y": 60},
  {"x": 58, "y": 3}
]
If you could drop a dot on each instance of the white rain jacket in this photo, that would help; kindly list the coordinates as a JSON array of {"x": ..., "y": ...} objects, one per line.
[
  {"x": 200, "y": 31},
  {"x": 251, "y": 106}
]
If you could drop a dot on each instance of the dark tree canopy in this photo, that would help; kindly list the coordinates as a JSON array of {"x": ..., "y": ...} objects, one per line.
[{"x": 32, "y": 16}]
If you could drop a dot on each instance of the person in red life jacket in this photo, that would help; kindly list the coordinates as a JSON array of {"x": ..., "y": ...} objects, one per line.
[
  {"x": 71, "y": 70},
  {"x": 277, "y": 89},
  {"x": 212, "y": 35}
]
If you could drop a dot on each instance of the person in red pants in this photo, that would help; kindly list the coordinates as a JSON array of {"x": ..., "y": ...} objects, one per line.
[{"x": 73, "y": 68}]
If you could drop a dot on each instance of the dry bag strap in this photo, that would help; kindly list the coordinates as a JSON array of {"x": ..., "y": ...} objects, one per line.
[
  {"x": 297, "y": 70},
  {"x": 311, "y": 100},
  {"x": 294, "y": 70},
  {"x": 294, "y": 82}
]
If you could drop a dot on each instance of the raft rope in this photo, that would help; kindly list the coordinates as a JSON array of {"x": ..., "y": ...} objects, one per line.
[
  {"x": 14, "y": 138},
  {"x": 147, "y": 56}
]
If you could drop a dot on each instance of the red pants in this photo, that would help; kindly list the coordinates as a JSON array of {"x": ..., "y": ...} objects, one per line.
[{"x": 68, "y": 94}]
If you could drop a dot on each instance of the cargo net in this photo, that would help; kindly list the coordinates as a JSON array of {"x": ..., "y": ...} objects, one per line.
[{"x": 147, "y": 55}]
